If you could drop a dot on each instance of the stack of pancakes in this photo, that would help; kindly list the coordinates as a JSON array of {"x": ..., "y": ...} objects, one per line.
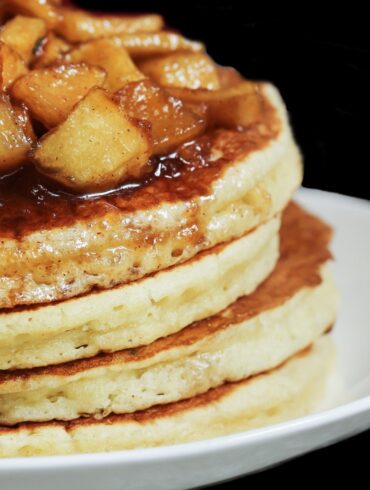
[{"x": 184, "y": 309}]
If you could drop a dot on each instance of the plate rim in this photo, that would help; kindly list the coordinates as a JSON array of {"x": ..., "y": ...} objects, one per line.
[{"x": 206, "y": 446}]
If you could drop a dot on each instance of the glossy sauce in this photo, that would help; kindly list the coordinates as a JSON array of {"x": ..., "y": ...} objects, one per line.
[{"x": 30, "y": 201}]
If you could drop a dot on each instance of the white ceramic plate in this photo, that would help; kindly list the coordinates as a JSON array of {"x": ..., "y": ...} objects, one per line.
[{"x": 346, "y": 410}]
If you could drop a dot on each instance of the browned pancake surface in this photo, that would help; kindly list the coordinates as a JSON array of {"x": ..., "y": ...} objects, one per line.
[{"x": 29, "y": 202}]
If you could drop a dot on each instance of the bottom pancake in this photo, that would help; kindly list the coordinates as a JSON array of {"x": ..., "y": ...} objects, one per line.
[{"x": 290, "y": 390}]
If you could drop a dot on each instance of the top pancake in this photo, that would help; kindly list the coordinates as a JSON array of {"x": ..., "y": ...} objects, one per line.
[{"x": 54, "y": 247}]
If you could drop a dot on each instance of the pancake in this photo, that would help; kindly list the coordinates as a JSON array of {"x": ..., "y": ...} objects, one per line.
[
  {"x": 291, "y": 390},
  {"x": 138, "y": 313},
  {"x": 141, "y": 312},
  {"x": 294, "y": 306},
  {"x": 156, "y": 285},
  {"x": 186, "y": 364},
  {"x": 54, "y": 247}
]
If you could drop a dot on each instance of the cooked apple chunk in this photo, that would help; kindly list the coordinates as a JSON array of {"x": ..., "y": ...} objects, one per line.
[
  {"x": 190, "y": 70},
  {"x": 171, "y": 122},
  {"x": 239, "y": 105},
  {"x": 80, "y": 26},
  {"x": 51, "y": 93},
  {"x": 15, "y": 136},
  {"x": 110, "y": 56},
  {"x": 50, "y": 50},
  {"x": 22, "y": 33},
  {"x": 95, "y": 148},
  {"x": 43, "y": 9},
  {"x": 228, "y": 77},
  {"x": 22, "y": 114},
  {"x": 12, "y": 66},
  {"x": 157, "y": 43}
]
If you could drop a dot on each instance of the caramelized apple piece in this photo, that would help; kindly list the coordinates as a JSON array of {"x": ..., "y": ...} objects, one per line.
[
  {"x": 110, "y": 56},
  {"x": 12, "y": 66},
  {"x": 190, "y": 70},
  {"x": 43, "y": 9},
  {"x": 22, "y": 114},
  {"x": 16, "y": 135},
  {"x": 95, "y": 148},
  {"x": 22, "y": 33},
  {"x": 172, "y": 123},
  {"x": 236, "y": 106},
  {"x": 228, "y": 77},
  {"x": 80, "y": 26},
  {"x": 157, "y": 43},
  {"x": 50, "y": 51},
  {"x": 51, "y": 93}
]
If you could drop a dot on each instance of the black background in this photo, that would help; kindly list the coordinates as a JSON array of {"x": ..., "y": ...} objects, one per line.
[{"x": 320, "y": 62}]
